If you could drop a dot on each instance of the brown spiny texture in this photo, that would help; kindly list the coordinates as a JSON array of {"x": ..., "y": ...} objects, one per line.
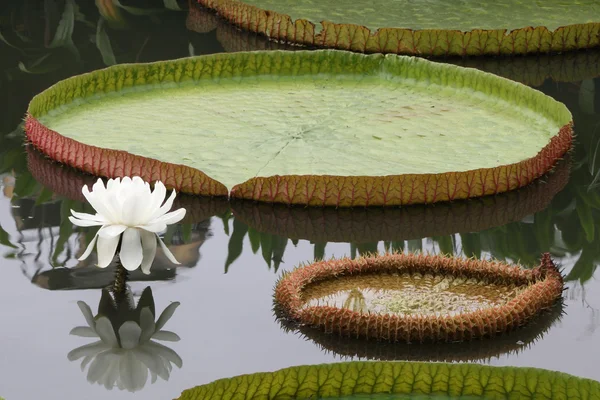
[
  {"x": 198, "y": 20},
  {"x": 65, "y": 181},
  {"x": 117, "y": 164},
  {"x": 361, "y": 225},
  {"x": 395, "y": 190},
  {"x": 543, "y": 286},
  {"x": 472, "y": 351},
  {"x": 425, "y": 42}
]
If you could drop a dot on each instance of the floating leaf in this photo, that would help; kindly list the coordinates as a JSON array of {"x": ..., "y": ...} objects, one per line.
[
  {"x": 409, "y": 27},
  {"x": 287, "y": 148},
  {"x": 334, "y": 381}
]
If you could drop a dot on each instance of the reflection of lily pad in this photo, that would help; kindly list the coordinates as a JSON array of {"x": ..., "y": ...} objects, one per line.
[
  {"x": 476, "y": 350},
  {"x": 332, "y": 128},
  {"x": 345, "y": 380},
  {"x": 67, "y": 182},
  {"x": 412, "y": 27},
  {"x": 532, "y": 291},
  {"x": 362, "y": 225}
]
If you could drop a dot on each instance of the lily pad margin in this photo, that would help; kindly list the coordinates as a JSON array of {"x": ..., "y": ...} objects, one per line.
[
  {"x": 543, "y": 287},
  {"x": 423, "y": 42},
  {"x": 399, "y": 378},
  {"x": 313, "y": 190}
]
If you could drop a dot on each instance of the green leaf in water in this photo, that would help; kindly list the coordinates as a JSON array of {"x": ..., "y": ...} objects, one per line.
[
  {"x": 5, "y": 238},
  {"x": 584, "y": 212}
]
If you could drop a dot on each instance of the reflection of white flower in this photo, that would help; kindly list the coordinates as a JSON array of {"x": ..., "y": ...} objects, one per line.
[
  {"x": 126, "y": 351},
  {"x": 130, "y": 213}
]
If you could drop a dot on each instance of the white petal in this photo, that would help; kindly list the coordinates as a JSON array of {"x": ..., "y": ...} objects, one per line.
[
  {"x": 85, "y": 222},
  {"x": 106, "y": 250},
  {"x": 89, "y": 249},
  {"x": 87, "y": 314},
  {"x": 167, "y": 252},
  {"x": 90, "y": 217},
  {"x": 148, "y": 249},
  {"x": 165, "y": 352},
  {"x": 147, "y": 324},
  {"x": 165, "y": 207},
  {"x": 97, "y": 199},
  {"x": 130, "y": 333},
  {"x": 154, "y": 227},
  {"x": 106, "y": 332},
  {"x": 83, "y": 331},
  {"x": 166, "y": 315},
  {"x": 111, "y": 230},
  {"x": 150, "y": 361},
  {"x": 173, "y": 217},
  {"x": 89, "y": 350},
  {"x": 167, "y": 336},
  {"x": 133, "y": 373},
  {"x": 131, "y": 249},
  {"x": 86, "y": 360},
  {"x": 98, "y": 368},
  {"x": 157, "y": 197}
]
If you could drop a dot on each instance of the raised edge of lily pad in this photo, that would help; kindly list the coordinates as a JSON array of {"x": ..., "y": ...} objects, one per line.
[
  {"x": 542, "y": 287},
  {"x": 305, "y": 189},
  {"x": 361, "y": 225},
  {"x": 399, "y": 378},
  {"x": 282, "y": 27}
]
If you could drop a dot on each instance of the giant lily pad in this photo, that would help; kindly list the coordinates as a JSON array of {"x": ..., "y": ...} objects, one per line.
[
  {"x": 432, "y": 28},
  {"x": 331, "y": 128},
  {"x": 417, "y": 298},
  {"x": 399, "y": 380}
]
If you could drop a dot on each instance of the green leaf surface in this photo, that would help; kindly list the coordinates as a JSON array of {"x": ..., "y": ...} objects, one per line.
[
  {"x": 5, "y": 238},
  {"x": 335, "y": 381},
  {"x": 316, "y": 116}
]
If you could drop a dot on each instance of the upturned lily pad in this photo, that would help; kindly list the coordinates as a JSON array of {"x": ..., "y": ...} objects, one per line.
[
  {"x": 399, "y": 380},
  {"x": 331, "y": 128},
  {"x": 431, "y": 28},
  {"x": 417, "y": 298}
]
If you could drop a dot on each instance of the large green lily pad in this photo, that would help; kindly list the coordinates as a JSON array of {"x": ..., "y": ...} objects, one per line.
[
  {"x": 423, "y": 27},
  {"x": 400, "y": 379},
  {"x": 317, "y": 128}
]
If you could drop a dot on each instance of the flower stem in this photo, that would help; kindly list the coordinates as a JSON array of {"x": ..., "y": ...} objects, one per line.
[{"x": 119, "y": 286}]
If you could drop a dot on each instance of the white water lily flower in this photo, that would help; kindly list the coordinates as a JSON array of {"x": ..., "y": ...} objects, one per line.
[
  {"x": 123, "y": 357},
  {"x": 130, "y": 213}
]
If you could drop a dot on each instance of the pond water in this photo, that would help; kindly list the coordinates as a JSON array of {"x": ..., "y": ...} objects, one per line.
[{"x": 232, "y": 255}]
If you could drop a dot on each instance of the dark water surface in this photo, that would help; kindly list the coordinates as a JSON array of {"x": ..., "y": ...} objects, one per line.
[{"x": 230, "y": 263}]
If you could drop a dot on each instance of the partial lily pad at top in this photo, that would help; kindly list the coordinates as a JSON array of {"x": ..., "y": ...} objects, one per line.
[
  {"x": 421, "y": 27},
  {"x": 310, "y": 127},
  {"x": 402, "y": 379}
]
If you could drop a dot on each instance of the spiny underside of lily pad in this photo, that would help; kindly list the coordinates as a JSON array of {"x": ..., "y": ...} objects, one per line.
[
  {"x": 362, "y": 225},
  {"x": 311, "y": 190},
  {"x": 341, "y": 380},
  {"x": 425, "y": 42},
  {"x": 542, "y": 288}
]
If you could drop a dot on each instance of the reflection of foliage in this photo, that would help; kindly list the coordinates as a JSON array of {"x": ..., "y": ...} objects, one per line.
[
  {"x": 396, "y": 379},
  {"x": 127, "y": 349}
]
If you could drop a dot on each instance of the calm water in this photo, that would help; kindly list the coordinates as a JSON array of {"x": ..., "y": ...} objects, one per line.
[{"x": 232, "y": 256}]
